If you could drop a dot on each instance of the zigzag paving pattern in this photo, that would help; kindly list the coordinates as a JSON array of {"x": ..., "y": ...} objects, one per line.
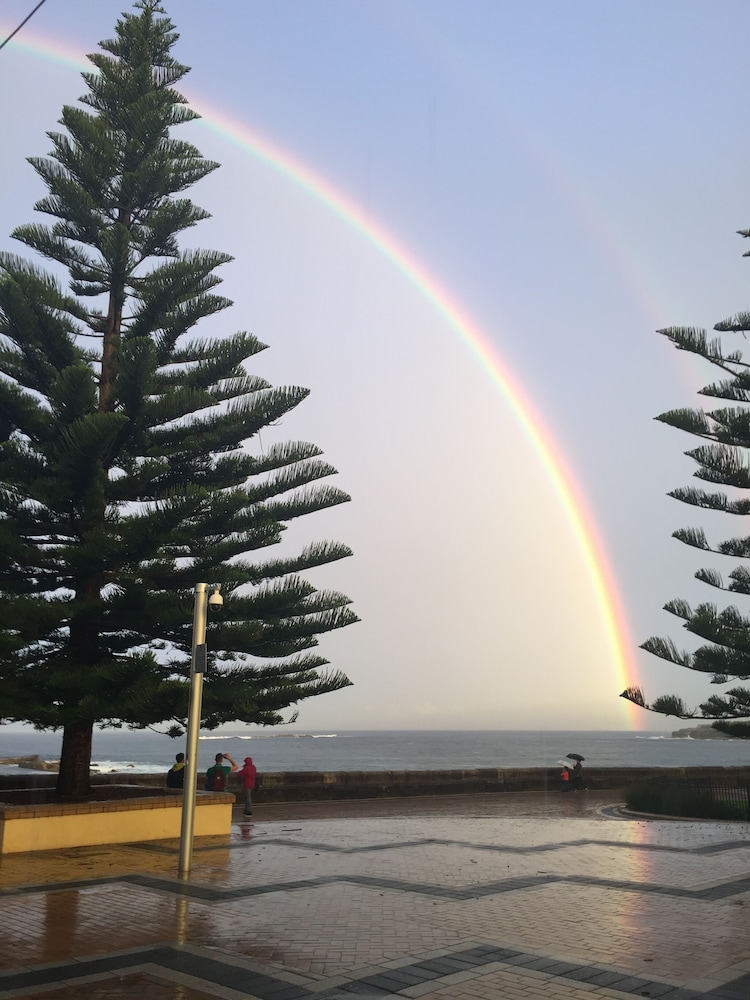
[{"x": 467, "y": 897}]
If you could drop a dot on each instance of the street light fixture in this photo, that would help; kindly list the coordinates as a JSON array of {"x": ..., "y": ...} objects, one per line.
[{"x": 197, "y": 669}]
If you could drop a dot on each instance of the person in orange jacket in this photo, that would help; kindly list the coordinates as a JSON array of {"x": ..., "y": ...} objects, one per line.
[{"x": 247, "y": 773}]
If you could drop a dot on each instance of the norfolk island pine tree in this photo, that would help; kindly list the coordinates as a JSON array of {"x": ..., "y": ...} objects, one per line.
[
  {"x": 723, "y": 459},
  {"x": 125, "y": 469}
]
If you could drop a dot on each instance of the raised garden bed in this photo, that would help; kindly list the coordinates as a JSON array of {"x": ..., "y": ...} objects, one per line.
[{"x": 38, "y": 820}]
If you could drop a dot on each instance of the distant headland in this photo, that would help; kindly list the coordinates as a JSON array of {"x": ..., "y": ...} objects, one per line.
[{"x": 700, "y": 733}]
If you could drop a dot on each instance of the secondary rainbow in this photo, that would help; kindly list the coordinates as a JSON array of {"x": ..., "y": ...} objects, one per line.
[{"x": 569, "y": 495}]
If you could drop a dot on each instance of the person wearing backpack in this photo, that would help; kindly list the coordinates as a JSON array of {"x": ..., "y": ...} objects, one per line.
[{"x": 216, "y": 776}]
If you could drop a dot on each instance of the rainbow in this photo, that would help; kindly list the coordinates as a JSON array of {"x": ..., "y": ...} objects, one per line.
[{"x": 557, "y": 470}]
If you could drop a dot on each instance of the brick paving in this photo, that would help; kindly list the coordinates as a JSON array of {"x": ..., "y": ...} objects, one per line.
[{"x": 488, "y": 897}]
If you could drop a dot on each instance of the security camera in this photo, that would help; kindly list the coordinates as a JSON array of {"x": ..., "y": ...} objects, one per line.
[{"x": 215, "y": 600}]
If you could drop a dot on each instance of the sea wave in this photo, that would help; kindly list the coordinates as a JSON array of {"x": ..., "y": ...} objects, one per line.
[
  {"x": 275, "y": 736},
  {"x": 294, "y": 736},
  {"x": 116, "y": 766}
]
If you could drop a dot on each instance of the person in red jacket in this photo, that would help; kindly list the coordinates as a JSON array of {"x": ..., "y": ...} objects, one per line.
[{"x": 247, "y": 774}]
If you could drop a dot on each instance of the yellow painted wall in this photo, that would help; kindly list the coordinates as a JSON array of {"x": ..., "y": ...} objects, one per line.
[{"x": 44, "y": 833}]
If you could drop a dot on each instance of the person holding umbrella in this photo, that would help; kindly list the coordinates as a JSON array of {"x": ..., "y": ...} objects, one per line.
[
  {"x": 565, "y": 778},
  {"x": 578, "y": 784}
]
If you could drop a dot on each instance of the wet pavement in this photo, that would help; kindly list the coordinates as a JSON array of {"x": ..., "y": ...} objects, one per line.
[{"x": 521, "y": 896}]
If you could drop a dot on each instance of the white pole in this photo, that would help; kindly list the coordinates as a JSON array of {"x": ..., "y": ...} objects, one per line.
[{"x": 197, "y": 666}]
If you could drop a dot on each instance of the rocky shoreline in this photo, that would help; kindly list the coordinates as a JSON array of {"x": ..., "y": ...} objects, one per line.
[{"x": 33, "y": 763}]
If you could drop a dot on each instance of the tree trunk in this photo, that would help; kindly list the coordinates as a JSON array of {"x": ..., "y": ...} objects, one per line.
[
  {"x": 75, "y": 760},
  {"x": 113, "y": 329}
]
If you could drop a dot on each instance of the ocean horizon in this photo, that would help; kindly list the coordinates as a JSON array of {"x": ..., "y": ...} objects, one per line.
[{"x": 387, "y": 750}]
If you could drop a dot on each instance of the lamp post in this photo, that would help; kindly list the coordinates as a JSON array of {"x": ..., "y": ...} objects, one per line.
[{"x": 197, "y": 669}]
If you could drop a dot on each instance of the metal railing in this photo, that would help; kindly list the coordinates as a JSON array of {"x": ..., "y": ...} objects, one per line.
[
  {"x": 696, "y": 797},
  {"x": 727, "y": 792}
]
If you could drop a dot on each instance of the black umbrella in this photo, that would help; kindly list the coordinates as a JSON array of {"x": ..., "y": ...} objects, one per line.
[{"x": 575, "y": 756}]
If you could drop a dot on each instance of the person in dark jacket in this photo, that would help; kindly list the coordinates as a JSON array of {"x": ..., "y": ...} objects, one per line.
[
  {"x": 578, "y": 777},
  {"x": 176, "y": 773}
]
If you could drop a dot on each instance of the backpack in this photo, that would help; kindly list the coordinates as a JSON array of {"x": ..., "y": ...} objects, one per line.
[{"x": 216, "y": 780}]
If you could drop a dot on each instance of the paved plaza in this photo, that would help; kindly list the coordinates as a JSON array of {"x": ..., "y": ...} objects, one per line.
[{"x": 525, "y": 896}]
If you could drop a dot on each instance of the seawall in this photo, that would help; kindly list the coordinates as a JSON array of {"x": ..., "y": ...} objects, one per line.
[{"x": 300, "y": 786}]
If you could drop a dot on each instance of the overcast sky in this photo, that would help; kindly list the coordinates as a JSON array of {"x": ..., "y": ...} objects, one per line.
[{"x": 572, "y": 177}]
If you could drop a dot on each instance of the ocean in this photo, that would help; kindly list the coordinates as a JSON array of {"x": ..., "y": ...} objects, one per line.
[{"x": 371, "y": 750}]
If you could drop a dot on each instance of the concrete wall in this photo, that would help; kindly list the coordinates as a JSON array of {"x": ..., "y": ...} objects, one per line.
[
  {"x": 303, "y": 785},
  {"x": 296, "y": 786}
]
